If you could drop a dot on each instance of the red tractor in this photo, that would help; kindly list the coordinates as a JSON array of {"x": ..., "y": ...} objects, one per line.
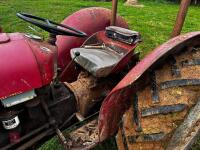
[
  {"x": 155, "y": 106},
  {"x": 49, "y": 86}
]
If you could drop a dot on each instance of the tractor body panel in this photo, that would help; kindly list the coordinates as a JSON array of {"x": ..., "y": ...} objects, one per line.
[
  {"x": 124, "y": 49},
  {"x": 25, "y": 64},
  {"x": 29, "y": 67},
  {"x": 117, "y": 102},
  {"x": 89, "y": 20}
]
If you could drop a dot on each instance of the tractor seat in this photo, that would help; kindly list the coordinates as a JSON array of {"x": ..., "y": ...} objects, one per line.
[{"x": 99, "y": 62}]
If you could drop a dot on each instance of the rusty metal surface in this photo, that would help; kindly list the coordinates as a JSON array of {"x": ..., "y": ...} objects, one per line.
[
  {"x": 176, "y": 104},
  {"x": 180, "y": 17},
  {"x": 85, "y": 137},
  {"x": 121, "y": 145},
  {"x": 117, "y": 101},
  {"x": 114, "y": 12},
  {"x": 89, "y": 90}
]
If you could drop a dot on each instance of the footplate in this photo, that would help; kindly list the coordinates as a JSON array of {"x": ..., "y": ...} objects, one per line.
[
  {"x": 82, "y": 135},
  {"x": 85, "y": 137}
]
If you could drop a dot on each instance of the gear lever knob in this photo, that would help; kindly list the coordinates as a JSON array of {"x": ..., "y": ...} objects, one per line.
[{"x": 77, "y": 54}]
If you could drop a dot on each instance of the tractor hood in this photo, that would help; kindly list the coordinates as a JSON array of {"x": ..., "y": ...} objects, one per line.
[{"x": 25, "y": 64}]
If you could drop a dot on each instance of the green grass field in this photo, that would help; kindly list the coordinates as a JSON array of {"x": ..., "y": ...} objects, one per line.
[{"x": 154, "y": 21}]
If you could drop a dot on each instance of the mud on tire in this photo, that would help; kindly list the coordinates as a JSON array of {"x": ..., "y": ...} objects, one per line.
[{"x": 161, "y": 108}]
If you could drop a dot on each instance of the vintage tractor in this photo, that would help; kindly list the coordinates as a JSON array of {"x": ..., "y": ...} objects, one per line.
[
  {"x": 47, "y": 86},
  {"x": 161, "y": 94},
  {"x": 155, "y": 106}
]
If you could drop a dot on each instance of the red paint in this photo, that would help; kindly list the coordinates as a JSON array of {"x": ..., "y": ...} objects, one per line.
[
  {"x": 45, "y": 59},
  {"x": 20, "y": 63},
  {"x": 14, "y": 136},
  {"x": 128, "y": 50},
  {"x": 116, "y": 103},
  {"x": 88, "y": 20},
  {"x": 25, "y": 66},
  {"x": 4, "y": 38}
]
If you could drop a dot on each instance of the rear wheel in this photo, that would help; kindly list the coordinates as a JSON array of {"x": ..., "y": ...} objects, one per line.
[{"x": 165, "y": 114}]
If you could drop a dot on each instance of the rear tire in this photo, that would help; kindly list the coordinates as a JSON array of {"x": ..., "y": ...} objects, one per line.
[{"x": 161, "y": 108}]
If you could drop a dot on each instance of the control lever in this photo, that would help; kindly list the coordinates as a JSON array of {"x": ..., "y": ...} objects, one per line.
[
  {"x": 53, "y": 123},
  {"x": 76, "y": 55}
]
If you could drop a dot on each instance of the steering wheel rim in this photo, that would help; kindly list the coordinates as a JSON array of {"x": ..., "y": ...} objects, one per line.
[{"x": 51, "y": 26}]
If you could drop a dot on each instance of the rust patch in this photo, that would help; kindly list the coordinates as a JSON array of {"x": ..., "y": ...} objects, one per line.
[
  {"x": 88, "y": 91},
  {"x": 83, "y": 138}
]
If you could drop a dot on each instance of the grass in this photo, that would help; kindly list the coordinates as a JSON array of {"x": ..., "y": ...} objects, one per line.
[{"x": 154, "y": 21}]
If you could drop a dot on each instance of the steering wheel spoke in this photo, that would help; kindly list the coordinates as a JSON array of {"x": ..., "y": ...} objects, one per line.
[{"x": 50, "y": 26}]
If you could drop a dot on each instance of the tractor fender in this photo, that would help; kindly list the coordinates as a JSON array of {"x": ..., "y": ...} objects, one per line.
[
  {"x": 118, "y": 100},
  {"x": 88, "y": 20}
]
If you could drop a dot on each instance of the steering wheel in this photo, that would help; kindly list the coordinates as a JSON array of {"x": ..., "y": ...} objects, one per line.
[{"x": 50, "y": 26}]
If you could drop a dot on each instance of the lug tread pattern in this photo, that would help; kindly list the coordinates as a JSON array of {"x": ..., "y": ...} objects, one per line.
[{"x": 177, "y": 88}]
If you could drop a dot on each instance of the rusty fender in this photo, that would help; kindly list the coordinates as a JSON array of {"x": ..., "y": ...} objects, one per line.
[{"x": 117, "y": 101}]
